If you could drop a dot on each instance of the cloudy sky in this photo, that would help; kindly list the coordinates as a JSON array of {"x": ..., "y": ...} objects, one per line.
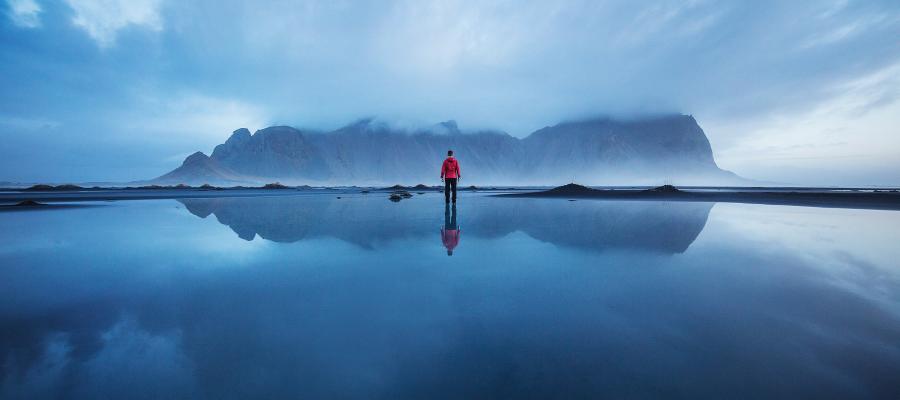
[{"x": 115, "y": 90}]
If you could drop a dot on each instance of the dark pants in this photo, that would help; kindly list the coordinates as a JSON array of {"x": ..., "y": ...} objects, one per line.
[
  {"x": 449, "y": 184},
  {"x": 450, "y": 218}
]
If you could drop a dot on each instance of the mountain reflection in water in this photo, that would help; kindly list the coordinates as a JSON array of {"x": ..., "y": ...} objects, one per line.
[
  {"x": 366, "y": 221},
  {"x": 543, "y": 298}
]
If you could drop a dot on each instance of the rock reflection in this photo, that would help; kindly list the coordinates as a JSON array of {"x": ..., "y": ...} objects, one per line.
[{"x": 590, "y": 225}]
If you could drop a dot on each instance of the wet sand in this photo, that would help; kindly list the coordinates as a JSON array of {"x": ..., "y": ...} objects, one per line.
[
  {"x": 806, "y": 197},
  {"x": 12, "y": 197}
]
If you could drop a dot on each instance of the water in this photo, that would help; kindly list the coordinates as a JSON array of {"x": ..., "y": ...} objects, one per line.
[{"x": 317, "y": 297}]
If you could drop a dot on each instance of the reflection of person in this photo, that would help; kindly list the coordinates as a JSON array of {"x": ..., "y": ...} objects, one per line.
[
  {"x": 450, "y": 174},
  {"x": 450, "y": 231}
]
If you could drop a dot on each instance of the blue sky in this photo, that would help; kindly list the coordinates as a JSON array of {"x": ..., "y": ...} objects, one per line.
[{"x": 113, "y": 90}]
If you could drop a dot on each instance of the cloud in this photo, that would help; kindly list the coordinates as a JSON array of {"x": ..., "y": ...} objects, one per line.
[
  {"x": 440, "y": 38},
  {"x": 196, "y": 115},
  {"x": 102, "y": 19},
  {"x": 848, "y": 138},
  {"x": 515, "y": 66},
  {"x": 26, "y": 124},
  {"x": 133, "y": 359},
  {"x": 661, "y": 20},
  {"x": 24, "y": 13},
  {"x": 128, "y": 359},
  {"x": 846, "y": 31}
]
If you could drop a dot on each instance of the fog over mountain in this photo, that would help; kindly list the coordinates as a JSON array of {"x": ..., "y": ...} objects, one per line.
[{"x": 648, "y": 150}]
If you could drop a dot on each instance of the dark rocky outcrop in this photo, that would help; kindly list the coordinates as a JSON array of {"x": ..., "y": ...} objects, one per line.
[
  {"x": 51, "y": 188},
  {"x": 571, "y": 189},
  {"x": 664, "y": 189},
  {"x": 398, "y": 195}
]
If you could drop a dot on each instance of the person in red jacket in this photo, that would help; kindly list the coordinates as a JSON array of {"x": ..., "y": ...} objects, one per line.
[
  {"x": 450, "y": 231},
  {"x": 450, "y": 174}
]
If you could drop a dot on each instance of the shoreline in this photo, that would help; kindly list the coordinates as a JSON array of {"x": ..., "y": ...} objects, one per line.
[
  {"x": 810, "y": 197},
  {"x": 875, "y": 199}
]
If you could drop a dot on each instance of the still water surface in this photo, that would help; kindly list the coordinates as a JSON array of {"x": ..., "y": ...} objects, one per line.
[{"x": 317, "y": 297}]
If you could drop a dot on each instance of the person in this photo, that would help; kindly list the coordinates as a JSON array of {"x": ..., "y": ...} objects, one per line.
[
  {"x": 450, "y": 231},
  {"x": 450, "y": 175}
]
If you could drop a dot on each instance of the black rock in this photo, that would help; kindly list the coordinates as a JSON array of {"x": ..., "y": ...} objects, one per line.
[
  {"x": 570, "y": 189},
  {"x": 49, "y": 188},
  {"x": 399, "y": 195},
  {"x": 664, "y": 189}
]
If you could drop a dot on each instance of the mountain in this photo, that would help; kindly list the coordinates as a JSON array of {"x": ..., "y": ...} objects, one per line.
[{"x": 652, "y": 150}]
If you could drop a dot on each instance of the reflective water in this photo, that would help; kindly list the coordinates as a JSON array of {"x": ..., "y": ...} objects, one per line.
[{"x": 318, "y": 297}]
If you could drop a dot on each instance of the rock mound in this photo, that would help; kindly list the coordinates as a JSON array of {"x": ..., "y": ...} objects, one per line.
[
  {"x": 572, "y": 189},
  {"x": 664, "y": 189},
  {"x": 48, "y": 188},
  {"x": 399, "y": 195}
]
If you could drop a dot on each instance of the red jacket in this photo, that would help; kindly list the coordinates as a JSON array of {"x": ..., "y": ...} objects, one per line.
[
  {"x": 450, "y": 237},
  {"x": 450, "y": 169}
]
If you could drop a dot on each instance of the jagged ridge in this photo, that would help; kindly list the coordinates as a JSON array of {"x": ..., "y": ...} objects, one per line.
[{"x": 596, "y": 151}]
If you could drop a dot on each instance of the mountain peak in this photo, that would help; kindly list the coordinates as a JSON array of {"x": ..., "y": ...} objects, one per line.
[
  {"x": 197, "y": 157},
  {"x": 363, "y": 121},
  {"x": 240, "y": 134},
  {"x": 448, "y": 127},
  {"x": 450, "y": 124}
]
